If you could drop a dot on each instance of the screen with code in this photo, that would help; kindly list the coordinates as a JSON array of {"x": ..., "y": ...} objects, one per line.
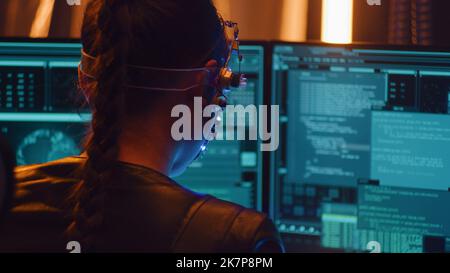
[{"x": 363, "y": 154}]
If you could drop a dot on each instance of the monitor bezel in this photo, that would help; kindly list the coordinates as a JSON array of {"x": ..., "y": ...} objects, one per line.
[{"x": 431, "y": 48}]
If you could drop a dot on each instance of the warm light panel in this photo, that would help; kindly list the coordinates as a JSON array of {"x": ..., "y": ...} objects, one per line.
[
  {"x": 294, "y": 20},
  {"x": 337, "y": 21},
  {"x": 42, "y": 20}
]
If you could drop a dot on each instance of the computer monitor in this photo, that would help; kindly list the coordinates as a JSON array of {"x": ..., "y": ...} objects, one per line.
[
  {"x": 362, "y": 164},
  {"x": 40, "y": 116},
  {"x": 39, "y": 113}
]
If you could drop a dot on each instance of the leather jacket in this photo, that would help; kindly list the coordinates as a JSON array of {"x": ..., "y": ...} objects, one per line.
[{"x": 144, "y": 211}]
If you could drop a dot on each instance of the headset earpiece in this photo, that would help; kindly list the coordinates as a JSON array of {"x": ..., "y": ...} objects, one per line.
[{"x": 228, "y": 79}]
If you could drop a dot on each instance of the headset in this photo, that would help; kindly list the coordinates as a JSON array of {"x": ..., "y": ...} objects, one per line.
[
  {"x": 164, "y": 79},
  {"x": 227, "y": 78}
]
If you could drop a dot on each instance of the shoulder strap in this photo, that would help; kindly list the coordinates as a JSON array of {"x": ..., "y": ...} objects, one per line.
[{"x": 206, "y": 226}]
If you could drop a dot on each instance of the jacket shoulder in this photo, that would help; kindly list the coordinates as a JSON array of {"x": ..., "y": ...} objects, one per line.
[
  {"x": 226, "y": 227},
  {"x": 38, "y": 211},
  {"x": 51, "y": 181},
  {"x": 58, "y": 168}
]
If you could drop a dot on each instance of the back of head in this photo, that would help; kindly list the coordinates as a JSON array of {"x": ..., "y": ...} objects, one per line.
[{"x": 157, "y": 33}]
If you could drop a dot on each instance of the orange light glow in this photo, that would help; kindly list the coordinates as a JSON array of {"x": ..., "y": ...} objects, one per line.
[
  {"x": 42, "y": 19},
  {"x": 337, "y": 21}
]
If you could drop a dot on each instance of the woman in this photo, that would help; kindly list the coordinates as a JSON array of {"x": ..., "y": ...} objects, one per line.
[{"x": 119, "y": 193}]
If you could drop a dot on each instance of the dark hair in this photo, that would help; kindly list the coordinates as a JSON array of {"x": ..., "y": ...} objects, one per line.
[{"x": 162, "y": 33}]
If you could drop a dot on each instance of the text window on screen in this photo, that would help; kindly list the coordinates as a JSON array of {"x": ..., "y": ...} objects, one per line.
[
  {"x": 329, "y": 140},
  {"x": 408, "y": 150}
]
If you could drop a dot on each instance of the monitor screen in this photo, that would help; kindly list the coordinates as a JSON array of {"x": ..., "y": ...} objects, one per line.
[
  {"x": 39, "y": 110},
  {"x": 41, "y": 117},
  {"x": 362, "y": 152}
]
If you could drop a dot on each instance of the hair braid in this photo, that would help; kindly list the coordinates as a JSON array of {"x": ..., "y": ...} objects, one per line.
[
  {"x": 111, "y": 45},
  {"x": 160, "y": 33}
]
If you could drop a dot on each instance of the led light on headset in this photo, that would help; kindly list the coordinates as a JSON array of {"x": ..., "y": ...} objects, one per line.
[{"x": 229, "y": 79}]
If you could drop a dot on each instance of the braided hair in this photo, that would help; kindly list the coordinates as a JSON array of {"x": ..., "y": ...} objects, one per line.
[{"x": 164, "y": 33}]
